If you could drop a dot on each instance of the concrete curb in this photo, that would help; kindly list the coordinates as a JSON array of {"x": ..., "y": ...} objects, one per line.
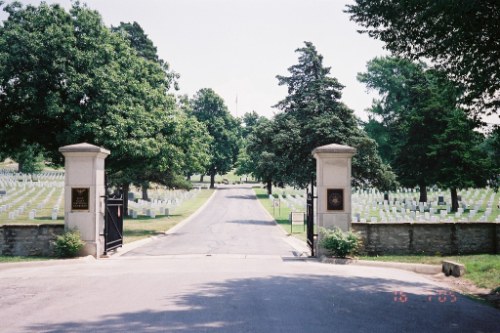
[
  {"x": 133, "y": 245},
  {"x": 417, "y": 268}
]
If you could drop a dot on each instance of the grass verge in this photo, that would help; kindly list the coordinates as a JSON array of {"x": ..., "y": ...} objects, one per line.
[
  {"x": 483, "y": 269},
  {"x": 143, "y": 227},
  {"x": 22, "y": 258},
  {"x": 280, "y": 214}
]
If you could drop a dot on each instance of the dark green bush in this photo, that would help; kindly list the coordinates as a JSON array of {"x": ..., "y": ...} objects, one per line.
[
  {"x": 69, "y": 244},
  {"x": 338, "y": 243}
]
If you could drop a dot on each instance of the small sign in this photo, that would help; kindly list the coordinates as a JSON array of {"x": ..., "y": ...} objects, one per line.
[
  {"x": 335, "y": 199},
  {"x": 80, "y": 198},
  {"x": 297, "y": 218}
]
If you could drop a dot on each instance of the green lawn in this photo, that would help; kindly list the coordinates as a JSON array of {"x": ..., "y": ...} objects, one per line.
[
  {"x": 482, "y": 269},
  {"x": 22, "y": 258},
  {"x": 143, "y": 227},
  {"x": 281, "y": 214}
]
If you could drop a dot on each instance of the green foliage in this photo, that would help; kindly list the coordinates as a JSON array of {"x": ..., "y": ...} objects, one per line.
[
  {"x": 313, "y": 115},
  {"x": 209, "y": 108},
  {"x": 72, "y": 79},
  {"x": 338, "y": 243},
  {"x": 425, "y": 137},
  {"x": 30, "y": 159},
  {"x": 447, "y": 33},
  {"x": 491, "y": 147},
  {"x": 69, "y": 244}
]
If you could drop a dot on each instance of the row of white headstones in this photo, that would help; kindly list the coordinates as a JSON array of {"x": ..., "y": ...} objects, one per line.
[
  {"x": 20, "y": 194},
  {"x": 370, "y": 206},
  {"x": 163, "y": 203},
  {"x": 402, "y": 206},
  {"x": 24, "y": 194}
]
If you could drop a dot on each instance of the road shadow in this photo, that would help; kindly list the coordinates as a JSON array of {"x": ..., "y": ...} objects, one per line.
[
  {"x": 243, "y": 197},
  {"x": 254, "y": 222},
  {"x": 311, "y": 303}
]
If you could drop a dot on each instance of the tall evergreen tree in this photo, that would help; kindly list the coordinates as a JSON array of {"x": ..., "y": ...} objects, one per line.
[{"x": 313, "y": 115}]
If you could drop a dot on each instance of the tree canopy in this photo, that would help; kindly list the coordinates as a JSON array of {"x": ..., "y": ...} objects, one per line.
[
  {"x": 461, "y": 37},
  {"x": 280, "y": 150},
  {"x": 426, "y": 138},
  {"x": 210, "y": 109},
  {"x": 67, "y": 78}
]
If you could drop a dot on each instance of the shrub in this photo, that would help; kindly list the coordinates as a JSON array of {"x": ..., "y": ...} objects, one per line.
[
  {"x": 68, "y": 244},
  {"x": 338, "y": 243}
]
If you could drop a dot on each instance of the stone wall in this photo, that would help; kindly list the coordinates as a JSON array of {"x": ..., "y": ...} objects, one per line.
[
  {"x": 428, "y": 238},
  {"x": 29, "y": 239}
]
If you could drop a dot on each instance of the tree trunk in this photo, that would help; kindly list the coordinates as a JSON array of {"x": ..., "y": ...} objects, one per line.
[
  {"x": 212, "y": 180},
  {"x": 188, "y": 177},
  {"x": 126, "y": 189},
  {"x": 201, "y": 178},
  {"x": 144, "y": 188},
  {"x": 269, "y": 187},
  {"x": 423, "y": 193},
  {"x": 454, "y": 199}
]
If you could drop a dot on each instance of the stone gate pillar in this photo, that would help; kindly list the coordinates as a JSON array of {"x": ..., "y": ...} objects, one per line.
[
  {"x": 333, "y": 181},
  {"x": 83, "y": 194}
]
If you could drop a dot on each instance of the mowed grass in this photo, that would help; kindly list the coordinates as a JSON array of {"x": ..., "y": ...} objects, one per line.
[
  {"x": 7, "y": 259},
  {"x": 281, "y": 214},
  {"x": 143, "y": 227},
  {"x": 482, "y": 269}
]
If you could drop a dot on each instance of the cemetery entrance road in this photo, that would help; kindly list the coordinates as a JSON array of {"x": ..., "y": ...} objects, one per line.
[
  {"x": 228, "y": 270},
  {"x": 233, "y": 222}
]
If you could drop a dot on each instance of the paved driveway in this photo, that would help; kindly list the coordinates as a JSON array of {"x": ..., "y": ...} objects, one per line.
[
  {"x": 234, "y": 222},
  {"x": 229, "y": 283}
]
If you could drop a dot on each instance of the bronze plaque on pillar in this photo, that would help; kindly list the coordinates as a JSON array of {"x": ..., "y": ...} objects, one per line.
[
  {"x": 80, "y": 198},
  {"x": 335, "y": 199}
]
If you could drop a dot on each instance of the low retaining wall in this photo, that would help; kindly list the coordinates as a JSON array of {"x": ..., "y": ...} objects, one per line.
[
  {"x": 29, "y": 239},
  {"x": 428, "y": 238}
]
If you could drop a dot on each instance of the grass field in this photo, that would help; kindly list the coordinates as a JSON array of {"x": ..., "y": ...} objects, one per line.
[
  {"x": 143, "y": 227},
  {"x": 281, "y": 214},
  {"x": 22, "y": 259}
]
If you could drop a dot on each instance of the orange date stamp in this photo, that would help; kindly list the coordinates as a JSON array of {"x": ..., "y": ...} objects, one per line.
[{"x": 440, "y": 296}]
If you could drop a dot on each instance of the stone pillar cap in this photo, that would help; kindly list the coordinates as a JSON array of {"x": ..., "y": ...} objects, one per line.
[
  {"x": 334, "y": 148},
  {"x": 83, "y": 147}
]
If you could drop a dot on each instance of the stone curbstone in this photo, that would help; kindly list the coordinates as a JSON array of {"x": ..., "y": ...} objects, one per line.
[
  {"x": 453, "y": 268},
  {"x": 417, "y": 268}
]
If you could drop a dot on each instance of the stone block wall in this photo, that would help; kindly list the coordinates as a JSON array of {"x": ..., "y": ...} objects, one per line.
[
  {"x": 428, "y": 238},
  {"x": 29, "y": 239}
]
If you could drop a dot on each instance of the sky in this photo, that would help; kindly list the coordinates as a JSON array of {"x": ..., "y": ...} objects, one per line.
[{"x": 237, "y": 47}]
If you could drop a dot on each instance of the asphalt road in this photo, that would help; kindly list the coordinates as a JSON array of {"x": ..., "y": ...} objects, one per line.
[
  {"x": 234, "y": 222},
  {"x": 217, "y": 286}
]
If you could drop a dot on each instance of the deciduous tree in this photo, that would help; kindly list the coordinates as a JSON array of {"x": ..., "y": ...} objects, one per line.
[
  {"x": 210, "y": 109},
  {"x": 461, "y": 37},
  {"x": 429, "y": 140}
]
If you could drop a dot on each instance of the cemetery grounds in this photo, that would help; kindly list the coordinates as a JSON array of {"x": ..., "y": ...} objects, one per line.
[
  {"x": 476, "y": 205},
  {"x": 39, "y": 199}
]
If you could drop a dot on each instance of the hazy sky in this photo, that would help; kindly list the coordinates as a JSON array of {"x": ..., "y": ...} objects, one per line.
[{"x": 237, "y": 47}]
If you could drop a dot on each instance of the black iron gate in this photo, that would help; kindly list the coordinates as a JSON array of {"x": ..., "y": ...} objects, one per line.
[
  {"x": 113, "y": 221},
  {"x": 310, "y": 219}
]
